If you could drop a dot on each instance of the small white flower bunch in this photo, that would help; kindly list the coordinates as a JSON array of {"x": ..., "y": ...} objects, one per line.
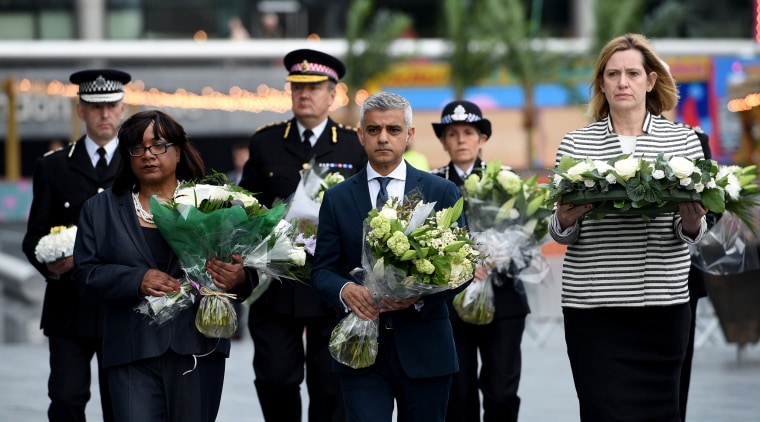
[{"x": 57, "y": 245}]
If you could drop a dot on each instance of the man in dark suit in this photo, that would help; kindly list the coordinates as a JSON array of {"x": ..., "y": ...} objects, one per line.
[
  {"x": 278, "y": 318},
  {"x": 416, "y": 355},
  {"x": 63, "y": 181},
  {"x": 463, "y": 133}
]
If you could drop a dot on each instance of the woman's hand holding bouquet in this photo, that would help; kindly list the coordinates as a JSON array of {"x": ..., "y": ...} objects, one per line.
[
  {"x": 633, "y": 185},
  {"x": 205, "y": 221}
]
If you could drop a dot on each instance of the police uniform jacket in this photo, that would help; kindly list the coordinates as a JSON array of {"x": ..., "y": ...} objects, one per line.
[
  {"x": 272, "y": 173},
  {"x": 63, "y": 181},
  {"x": 510, "y": 299}
]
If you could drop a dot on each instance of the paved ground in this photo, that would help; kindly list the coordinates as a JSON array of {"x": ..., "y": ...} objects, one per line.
[{"x": 723, "y": 388}]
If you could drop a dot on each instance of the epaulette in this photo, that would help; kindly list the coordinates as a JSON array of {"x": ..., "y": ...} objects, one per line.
[
  {"x": 52, "y": 151},
  {"x": 272, "y": 125}
]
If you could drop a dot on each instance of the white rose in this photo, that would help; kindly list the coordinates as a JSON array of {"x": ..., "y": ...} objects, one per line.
[
  {"x": 574, "y": 173},
  {"x": 699, "y": 187},
  {"x": 557, "y": 180},
  {"x": 682, "y": 167},
  {"x": 611, "y": 179},
  {"x": 589, "y": 183},
  {"x": 602, "y": 167},
  {"x": 389, "y": 213},
  {"x": 658, "y": 174},
  {"x": 297, "y": 256},
  {"x": 711, "y": 184},
  {"x": 684, "y": 182},
  {"x": 627, "y": 168}
]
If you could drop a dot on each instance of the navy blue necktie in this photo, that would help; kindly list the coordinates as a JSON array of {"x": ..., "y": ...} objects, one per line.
[
  {"x": 102, "y": 165},
  {"x": 382, "y": 194}
]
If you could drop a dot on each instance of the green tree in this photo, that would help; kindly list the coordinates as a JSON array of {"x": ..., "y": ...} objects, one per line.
[
  {"x": 524, "y": 54},
  {"x": 473, "y": 50},
  {"x": 369, "y": 34}
]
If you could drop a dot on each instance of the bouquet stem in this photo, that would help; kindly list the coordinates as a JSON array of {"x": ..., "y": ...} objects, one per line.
[{"x": 216, "y": 317}]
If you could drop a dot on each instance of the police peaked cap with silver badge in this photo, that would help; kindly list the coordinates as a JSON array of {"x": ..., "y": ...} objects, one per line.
[
  {"x": 100, "y": 85},
  {"x": 309, "y": 66},
  {"x": 462, "y": 112}
]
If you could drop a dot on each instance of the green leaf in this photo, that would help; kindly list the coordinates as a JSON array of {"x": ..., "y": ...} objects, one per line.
[
  {"x": 713, "y": 200},
  {"x": 450, "y": 215},
  {"x": 408, "y": 255}
]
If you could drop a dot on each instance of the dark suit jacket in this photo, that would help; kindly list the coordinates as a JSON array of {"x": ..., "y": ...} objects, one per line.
[
  {"x": 510, "y": 299},
  {"x": 111, "y": 257},
  {"x": 272, "y": 173},
  {"x": 63, "y": 181},
  {"x": 424, "y": 339},
  {"x": 697, "y": 288}
]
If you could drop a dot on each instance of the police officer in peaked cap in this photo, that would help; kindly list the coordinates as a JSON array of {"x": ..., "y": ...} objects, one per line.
[
  {"x": 277, "y": 320},
  {"x": 63, "y": 180}
]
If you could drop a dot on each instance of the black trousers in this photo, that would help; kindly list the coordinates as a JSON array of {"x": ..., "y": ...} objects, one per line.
[
  {"x": 70, "y": 378},
  {"x": 686, "y": 368},
  {"x": 626, "y": 362},
  {"x": 501, "y": 361},
  {"x": 171, "y": 388},
  {"x": 279, "y": 357}
]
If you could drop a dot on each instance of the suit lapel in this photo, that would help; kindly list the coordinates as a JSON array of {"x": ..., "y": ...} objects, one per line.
[
  {"x": 360, "y": 192},
  {"x": 132, "y": 227},
  {"x": 293, "y": 141},
  {"x": 79, "y": 162}
]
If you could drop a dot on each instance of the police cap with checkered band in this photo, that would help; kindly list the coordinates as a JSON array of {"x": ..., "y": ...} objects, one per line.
[
  {"x": 100, "y": 85},
  {"x": 309, "y": 66}
]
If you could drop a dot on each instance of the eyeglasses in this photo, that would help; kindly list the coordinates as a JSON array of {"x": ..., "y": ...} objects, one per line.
[{"x": 155, "y": 149}]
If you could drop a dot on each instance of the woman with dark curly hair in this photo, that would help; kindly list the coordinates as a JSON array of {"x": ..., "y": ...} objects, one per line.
[{"x": 169, "y": 372}]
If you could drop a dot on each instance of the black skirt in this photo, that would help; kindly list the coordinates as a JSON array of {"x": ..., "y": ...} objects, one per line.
[{"x": 626, "y": 362}]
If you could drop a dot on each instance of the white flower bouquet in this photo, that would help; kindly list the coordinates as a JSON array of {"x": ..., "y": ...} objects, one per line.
[
  {"x": 306, "y": 200},
  {"x": 283, "y": 254},
  {"x": 409, "y": 250},
  {"x": 57, "y": 245},
  {"x": 509, "y": 220},
  {"x": 633, "y": 185},
  {"x": 207, "y": 220}
]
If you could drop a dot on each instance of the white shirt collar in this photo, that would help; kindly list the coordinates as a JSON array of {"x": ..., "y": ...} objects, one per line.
[
  {"x": 92, "y": 149},
  {"x": 398, "y": 173},
  {"x": 395, "y": 187},
  {"x": 317, "y": 130},
  {"x": 463, "y": 174}
]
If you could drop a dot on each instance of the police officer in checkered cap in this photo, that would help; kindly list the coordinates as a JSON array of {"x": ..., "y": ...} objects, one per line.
[
  {"x": 63, "y": 181},
  {"x": 100, "y": 85}
]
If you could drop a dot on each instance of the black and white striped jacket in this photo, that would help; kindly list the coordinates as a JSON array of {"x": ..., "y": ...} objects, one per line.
[{"x": 624, "y": 260}]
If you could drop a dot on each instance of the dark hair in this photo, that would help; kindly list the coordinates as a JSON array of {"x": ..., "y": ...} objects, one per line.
[
  {"x": 664, "y": 94},
  {"x": 190, "y": 166}
]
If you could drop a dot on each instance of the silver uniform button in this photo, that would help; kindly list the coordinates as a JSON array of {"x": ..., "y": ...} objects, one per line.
[
  {"x": 100, "y": 190},
  {"x": 66, "y": 205}
]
